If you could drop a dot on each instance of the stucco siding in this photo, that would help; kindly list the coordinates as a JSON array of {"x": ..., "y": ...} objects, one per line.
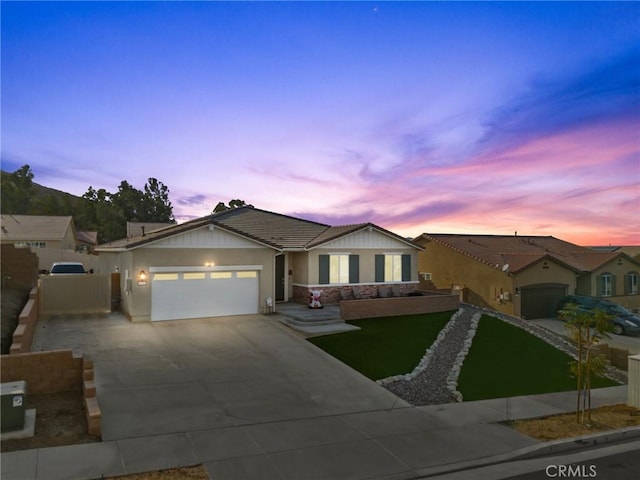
[
  {"x": 139, "y": 302},
  {"x": 619, "y": 268}
]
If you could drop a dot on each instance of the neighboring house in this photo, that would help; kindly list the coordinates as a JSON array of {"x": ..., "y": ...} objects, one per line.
[
  {"x": 525, "y": 275},
  {"x": 631, "y": 250},
  {"x": 231, "y": 262},
  {"x": 86, "y": 241},
  {"x": 38, "y": 231}
]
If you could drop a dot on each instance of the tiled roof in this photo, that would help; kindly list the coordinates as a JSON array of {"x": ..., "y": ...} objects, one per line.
[
  {"x": 87, "y": 237},
  {"x": 519, "y": 252},
  {"x": 33, "y": 227},
  {"x": 272, "y": 229},
  {"x": 278, "y": 231}
]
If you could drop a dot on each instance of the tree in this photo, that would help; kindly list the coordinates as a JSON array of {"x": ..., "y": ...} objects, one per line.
[
  {"x": 587, "y": 329},
  {"x": 237, "y": 203},
  {"x": 17, "y": 191},
  {"x": 156, "y": 206},
  {"x": 129, "y": 201}
]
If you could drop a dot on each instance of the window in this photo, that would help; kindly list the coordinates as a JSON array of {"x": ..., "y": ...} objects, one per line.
[
  {"x": 193, "y": 276},
  {"x": 247, "y": 275},
  {"x": 606, "y": 285},
  {"x": 339, "y": 268},
  {"x": 215, "y": 275},
  {"x": 631, "y": 284},
  {"x": 394, "y": 267},
  {"x": 165, "y": 276}
]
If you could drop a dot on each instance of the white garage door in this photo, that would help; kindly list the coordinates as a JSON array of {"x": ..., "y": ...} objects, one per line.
[{"x": 194, "y": 294}]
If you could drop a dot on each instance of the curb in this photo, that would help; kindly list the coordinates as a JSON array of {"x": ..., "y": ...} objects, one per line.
[{"x": 540, "y": 450}]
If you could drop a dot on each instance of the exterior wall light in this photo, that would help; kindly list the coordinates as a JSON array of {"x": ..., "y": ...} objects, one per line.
[{"x": 142, "y": 278}]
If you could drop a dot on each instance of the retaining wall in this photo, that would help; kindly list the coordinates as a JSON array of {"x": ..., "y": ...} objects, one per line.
[
  {"x": 616, "y": 356},
  {"x": 387, "y": 307},
  {"x": 23, "y": 334},
  {"x": 55, "y": 371}
]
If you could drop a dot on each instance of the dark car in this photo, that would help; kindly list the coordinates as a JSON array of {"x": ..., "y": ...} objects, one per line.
[{"x": 624, "y": 322}]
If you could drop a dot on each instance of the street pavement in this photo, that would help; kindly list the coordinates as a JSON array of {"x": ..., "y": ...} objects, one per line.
[{"x": 250, "y": 399}]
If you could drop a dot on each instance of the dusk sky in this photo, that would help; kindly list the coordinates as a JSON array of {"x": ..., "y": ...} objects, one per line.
[{"x": 438, "y": 117}]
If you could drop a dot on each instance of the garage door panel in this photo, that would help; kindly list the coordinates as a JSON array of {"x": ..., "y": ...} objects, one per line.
[
  {"x": 541, "y": 300},
  {"x": 203, "y": 294}
]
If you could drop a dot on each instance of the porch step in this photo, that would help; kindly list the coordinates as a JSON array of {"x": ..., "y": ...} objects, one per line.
[{"x": 316, "y": 329}]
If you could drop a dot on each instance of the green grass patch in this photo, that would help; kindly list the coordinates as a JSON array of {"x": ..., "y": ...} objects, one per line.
[
  {"x": 506, "y": 361},
  {"x": 385, "y": 346}
]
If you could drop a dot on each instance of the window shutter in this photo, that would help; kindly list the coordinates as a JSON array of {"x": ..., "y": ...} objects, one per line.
[
  {"x": 406, "y": 268},
  {"x": 354, "y": 268},
  {"x": 323, "y": 269},
  {"x": 613, "y": 286},
  {"x": 599, "y": 286},
  {"x": 379, "y": 268},
  {"x": 627, "y": 284}
]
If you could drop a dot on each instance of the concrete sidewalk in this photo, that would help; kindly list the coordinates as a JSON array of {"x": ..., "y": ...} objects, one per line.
[
  {"x": 250, "y": 399},
  {"x": 400, "y": 443}
]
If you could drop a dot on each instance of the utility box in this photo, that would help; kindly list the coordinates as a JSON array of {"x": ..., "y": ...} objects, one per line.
[{"x": 13, "y": 396}]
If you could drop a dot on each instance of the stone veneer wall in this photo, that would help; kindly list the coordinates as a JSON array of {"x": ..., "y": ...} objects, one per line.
[{"x": 334, "y": 294}]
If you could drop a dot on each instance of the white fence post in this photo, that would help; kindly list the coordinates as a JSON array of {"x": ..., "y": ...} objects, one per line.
[{"x": 633, "y": 388}]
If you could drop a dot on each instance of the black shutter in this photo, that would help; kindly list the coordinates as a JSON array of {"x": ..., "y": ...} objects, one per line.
[
  {"x": 354, "y": 268},
  {"x": 379, "y": 268},
  {"x": 406, "y": 268},
  {"x": 324, "y": 269},
  {"x": 600, "y": 286}
]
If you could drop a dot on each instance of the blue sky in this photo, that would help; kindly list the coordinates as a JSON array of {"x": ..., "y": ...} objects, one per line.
[{"x": 475, "y": 117}]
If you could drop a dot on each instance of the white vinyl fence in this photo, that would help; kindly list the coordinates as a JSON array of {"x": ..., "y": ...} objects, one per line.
[{"x": 633, "y": 388}]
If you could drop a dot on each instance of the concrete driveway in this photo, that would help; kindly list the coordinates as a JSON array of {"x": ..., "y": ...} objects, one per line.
[
  {"x": 618, "y": 341},
  {"x": 249, "y": 398},
  {"x": 191, "y": 375}
]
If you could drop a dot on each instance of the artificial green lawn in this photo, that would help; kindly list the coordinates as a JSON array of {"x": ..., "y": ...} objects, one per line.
[
  {"x": 385, "y": 346},
  {"x": 506, "y": 361}
]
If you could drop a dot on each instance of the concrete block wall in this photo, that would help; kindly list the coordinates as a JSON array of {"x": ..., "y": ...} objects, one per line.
[
  {"x": 616, "y": 356},
  {"x": 53, "y": 372},
  {"x": 23, "y": 334},
  {"x": 92, "y": 410},
  {"x": 45, "y": 372},
  {"x": 387, "y": 307}
]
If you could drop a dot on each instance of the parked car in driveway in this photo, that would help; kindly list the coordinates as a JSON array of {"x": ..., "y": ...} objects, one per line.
[
  {"x": 66, "y": 268},
  {"x": 624, "y": 322}
]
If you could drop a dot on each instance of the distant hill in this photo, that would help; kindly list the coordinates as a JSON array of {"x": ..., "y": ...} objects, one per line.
[{"x": 42, "y": 200}]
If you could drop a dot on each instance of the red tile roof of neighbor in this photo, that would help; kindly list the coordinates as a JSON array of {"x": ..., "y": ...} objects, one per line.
[
  {"x": 519, "y": 252},
  {"x": 279, "y": 231}
]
